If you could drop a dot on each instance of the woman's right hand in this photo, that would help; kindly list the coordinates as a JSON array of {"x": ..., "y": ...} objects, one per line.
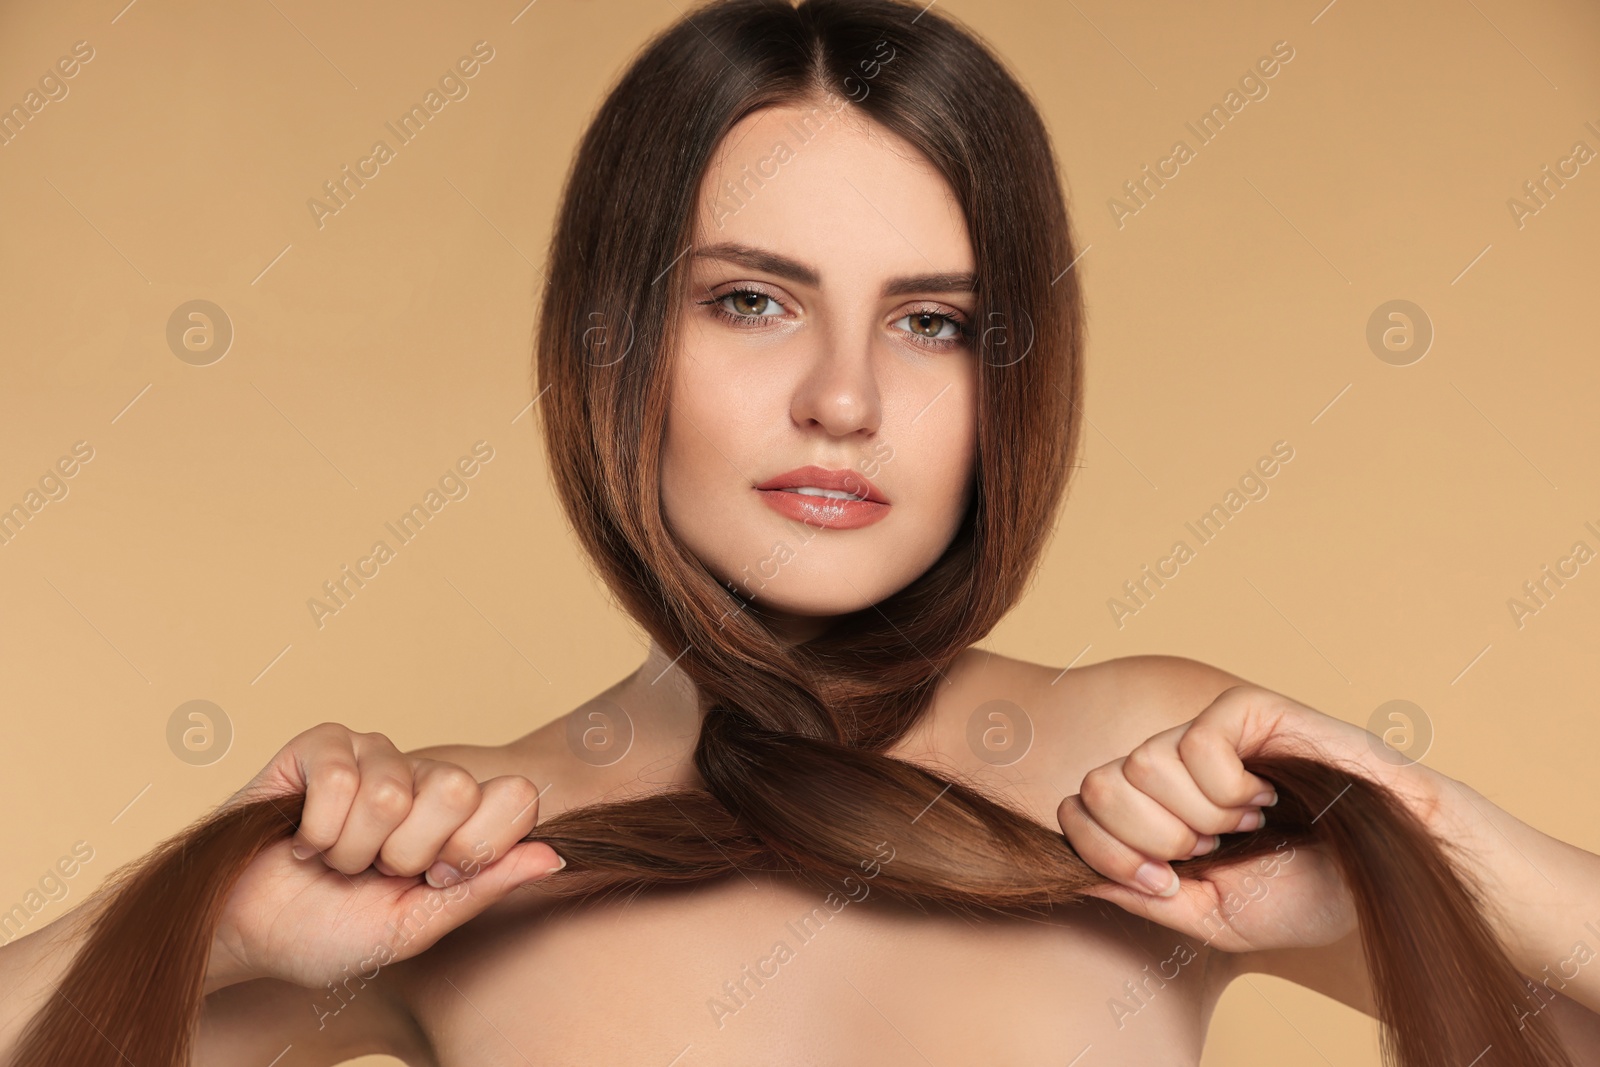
[{"x": 374, "y": 821}]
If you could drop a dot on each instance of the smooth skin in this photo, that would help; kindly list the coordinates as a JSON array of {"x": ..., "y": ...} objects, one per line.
[{"x": 1136, "y": 759}]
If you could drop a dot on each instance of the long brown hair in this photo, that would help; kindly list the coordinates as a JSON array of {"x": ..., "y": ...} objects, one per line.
[{"x": 792, "y": 743}]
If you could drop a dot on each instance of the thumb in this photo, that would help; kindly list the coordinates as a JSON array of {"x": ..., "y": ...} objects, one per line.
[
  {"x": 526, "y": 861},
  {"x": 1120, "y": 895},
  {"x": 1189, "y": 913},
  {"x": 1168, "y": 911}
]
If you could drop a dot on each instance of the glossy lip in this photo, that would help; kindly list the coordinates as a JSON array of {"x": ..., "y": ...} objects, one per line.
[
  {"x": 853, "y": 482},
  {"x": 865, "y": 508}
]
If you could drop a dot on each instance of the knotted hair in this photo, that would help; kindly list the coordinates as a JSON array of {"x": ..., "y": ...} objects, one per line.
[{"x": 793, "y": 740}]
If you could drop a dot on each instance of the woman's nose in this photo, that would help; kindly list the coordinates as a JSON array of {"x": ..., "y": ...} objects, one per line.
[{"x": 840, "y": 391}]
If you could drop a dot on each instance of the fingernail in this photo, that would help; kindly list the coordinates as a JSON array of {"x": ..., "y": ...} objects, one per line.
[
  {"x": 558, "y": 866},
  {"x": 302, "y": 852},
  {"x": 1264, "y": 800},
  {"x": 1253, "y": 820},
  {"x": 1158, "y": 878},
  {"x": 1206, "y": 843},
  {"x": 441, "y": 875}
]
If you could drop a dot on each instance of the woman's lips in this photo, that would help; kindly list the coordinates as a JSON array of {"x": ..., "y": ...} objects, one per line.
[{"x": 832, "y": 513}]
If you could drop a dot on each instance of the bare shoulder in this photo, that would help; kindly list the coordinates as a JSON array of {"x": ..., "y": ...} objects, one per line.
[
  {"x": 1161, "y": 690},
  {"x": 545, "y": 750},
  {"x": 1084, "y": 716}
]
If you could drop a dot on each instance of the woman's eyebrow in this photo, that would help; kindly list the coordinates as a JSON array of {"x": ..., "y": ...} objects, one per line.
[{"x": 795, "y": 271}]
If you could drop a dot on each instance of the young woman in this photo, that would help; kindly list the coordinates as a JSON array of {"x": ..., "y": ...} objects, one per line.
[{"x": 810, "y": 363}]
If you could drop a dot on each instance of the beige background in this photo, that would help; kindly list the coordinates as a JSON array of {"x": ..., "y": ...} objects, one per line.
[{"x": 1227, "y": 314}]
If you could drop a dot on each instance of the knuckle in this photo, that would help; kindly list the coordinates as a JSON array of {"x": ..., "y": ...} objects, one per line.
[
  {"x": 338, "y": 778},
  {"x": 1141, "y": 764},
  {"x": 1067, "y": 809},
  {"x": 1195, "y": 741},
  {"x": 404, "y": 866},
  {"x": 327, "y": 730},
  {"x": 390, "y": 797},
  {"x": 1240, "y": 692},
  {"x": 1068, "y": 814},
  {"x": 1096, "y": 788},
  {"x": 377, "y": 739},
  {"x": 456, "y": 787},
  {"x": 522, "y": 793}
]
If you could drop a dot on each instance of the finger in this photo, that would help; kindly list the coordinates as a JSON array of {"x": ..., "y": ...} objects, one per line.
[
  {"x": 324, "y": 762},
  {"x": 444, "y": 796},
  {"x": 1190, "y": 912},
  {"x": 1156, "y": 770},
  {"x": 1132, "y": 816},
  {"x": 1211, "y": 745},
  {"x": 508, "y": 811},
  {"x": 453, "y": 905},
  {"x": 1110, "y": 856},
  {"x": 383, "y": 799}
]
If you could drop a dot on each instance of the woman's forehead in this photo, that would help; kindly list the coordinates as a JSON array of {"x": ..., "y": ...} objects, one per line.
[{"x": 831, "y": 189}]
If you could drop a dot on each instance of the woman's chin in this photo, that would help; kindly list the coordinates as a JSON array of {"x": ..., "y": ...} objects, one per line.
[{"x": 813, "y": 608}]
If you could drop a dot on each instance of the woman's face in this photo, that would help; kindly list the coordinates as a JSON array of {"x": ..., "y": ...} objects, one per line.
[{"x": 826, "y": 324}]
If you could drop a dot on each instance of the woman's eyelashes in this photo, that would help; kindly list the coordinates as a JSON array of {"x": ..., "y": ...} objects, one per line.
[
  {"x": 748, "y": 304},
  {"x": 931, "y": 327},
  {"x": 937, "y": 321}
]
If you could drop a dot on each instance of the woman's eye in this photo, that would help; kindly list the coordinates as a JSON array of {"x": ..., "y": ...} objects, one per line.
[
  {"x": 753, "y": 304},
  {"x": 931, "y": 325},
  {"x": 742, "y": 307}
]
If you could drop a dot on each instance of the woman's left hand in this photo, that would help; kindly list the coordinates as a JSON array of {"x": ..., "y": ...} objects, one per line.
[{"x": 1171, "y": 796}]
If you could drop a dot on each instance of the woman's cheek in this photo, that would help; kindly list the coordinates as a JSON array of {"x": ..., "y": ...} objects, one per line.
[{"x": 956, "y": 447}]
